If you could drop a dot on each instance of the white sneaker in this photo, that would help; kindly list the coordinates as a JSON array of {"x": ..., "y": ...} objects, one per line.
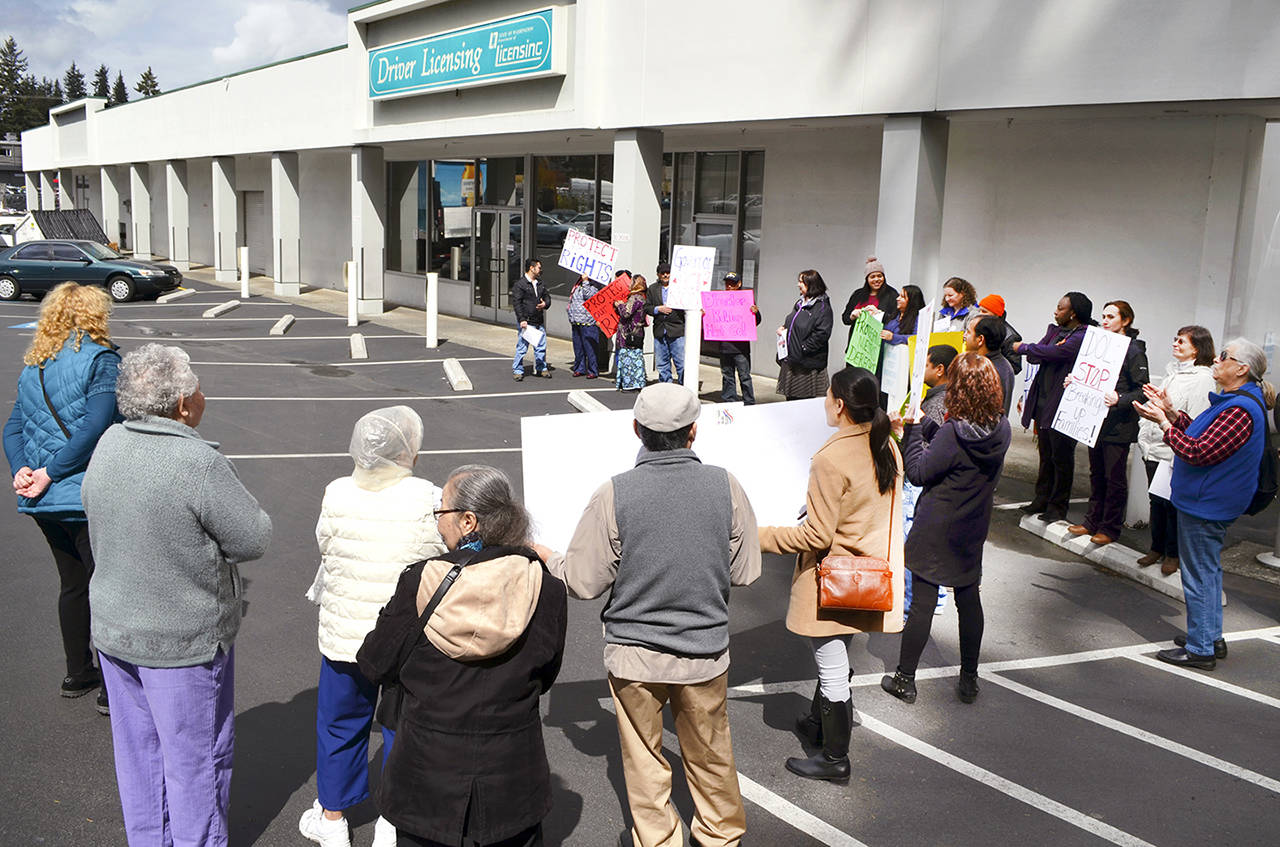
[
  {"x": 384, "y": 834},
  {"x": 942, "y": 601},
  {"x": 314, "y": 825}
]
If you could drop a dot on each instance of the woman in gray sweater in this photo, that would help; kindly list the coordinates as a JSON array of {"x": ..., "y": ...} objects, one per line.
[{"x": 169, "y": 521}]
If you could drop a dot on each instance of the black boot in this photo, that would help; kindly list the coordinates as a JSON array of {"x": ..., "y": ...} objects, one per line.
[
  {"x": 809, "y": 725},
  {"x": 967, "y": 687},
  {"x": 833, "y": 762},
  {"x": 900, "y": 685}
]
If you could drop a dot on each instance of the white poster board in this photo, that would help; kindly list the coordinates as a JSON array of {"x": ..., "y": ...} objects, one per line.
[
  {"x": 1029, "y": 370},
  {"x": 691, "y": 271},
  {"x": 896, "y": 363},
  {"x": 532, "y": 334},
  {"x": 576, "y": 454},
  {"x": 1096, "y": 371},
  {"x": 586, "y": 255},
  {"x": 918, "y": 365}
]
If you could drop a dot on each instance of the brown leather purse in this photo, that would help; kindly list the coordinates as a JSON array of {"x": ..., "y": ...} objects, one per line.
[{"x": 858, "y": 583}]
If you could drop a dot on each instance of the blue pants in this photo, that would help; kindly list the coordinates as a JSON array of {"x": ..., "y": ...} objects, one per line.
[
  {"x": 344, "y": 716},
  {"x": 585, "y": 340},
  {"x": 539, "y": 353},
  {"x": 666, "y": 351},
  {"x": 1200, "y": 554},
  {"x": 736, "y": 365}
]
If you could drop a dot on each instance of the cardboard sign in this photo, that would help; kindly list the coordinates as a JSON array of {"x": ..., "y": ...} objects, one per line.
[
  {"x": 1095, "y": 372},
  {"x": 586, "y": 255},
  {"x": 894, "y": 375},
  {"x": 727, "y": 316},
  {"x": 921, "y": 341},
  {"x": 691, "y": 270},
  {"x": 600, "y": 304},
  {"x": 782, "y": 347},
  {"x": 864, "y": 344},
  {"x": 533, "y": 335}
]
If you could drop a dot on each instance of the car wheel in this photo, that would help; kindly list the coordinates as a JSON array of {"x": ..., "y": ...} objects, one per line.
[
  {"x": 120, "y": 288},
  {"x": 9, "y": 289}
]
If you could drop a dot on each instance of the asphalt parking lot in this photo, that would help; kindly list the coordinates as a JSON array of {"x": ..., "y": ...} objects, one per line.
[{"x": 1078, "y": 737}]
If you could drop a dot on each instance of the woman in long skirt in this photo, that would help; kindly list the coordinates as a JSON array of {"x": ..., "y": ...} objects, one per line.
[{"x": 630, "y": 337}]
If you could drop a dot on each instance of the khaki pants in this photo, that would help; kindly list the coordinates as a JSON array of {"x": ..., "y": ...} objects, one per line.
[{"x": 702, "y": 725}]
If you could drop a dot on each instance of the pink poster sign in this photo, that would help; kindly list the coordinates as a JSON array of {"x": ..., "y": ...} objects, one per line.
[{"x": 727, "y": 316}]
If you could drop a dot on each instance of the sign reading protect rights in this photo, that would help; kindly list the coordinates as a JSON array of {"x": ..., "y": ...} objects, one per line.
[{"x": 524, "y": 47}]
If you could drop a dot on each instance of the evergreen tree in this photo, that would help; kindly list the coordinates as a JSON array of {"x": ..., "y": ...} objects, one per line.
[
  {"x": 13, "y": 71},
  {"x": 101, "y": 82},
  {"x": 55, "y": 92},
  {"x": 147, "y": 85},
  {"x": 73, "y": 82},
  {"x": 119, "y": 91}
]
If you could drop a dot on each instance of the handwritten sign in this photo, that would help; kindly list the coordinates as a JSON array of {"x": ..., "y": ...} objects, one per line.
[
  {"x": 1095, "y": 372},
  {"x": 728, "y": 316},
  {"x": 586, "y": 255},
  {"x": 864, "y": 344},
  {"x": 917, "y": 349},
  {"x": 691, "y": 270},
  {"x": 600, "y": 304}
]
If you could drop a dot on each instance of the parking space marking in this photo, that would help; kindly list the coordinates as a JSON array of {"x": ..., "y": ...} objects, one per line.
[
  {"x": 347, "y": 364},
  {"x": 472, "y": 451},
  {"x": 1143, "y": 735},
  {"x": 1204, "y": 679},
  {"x": 276, "y": 338},
  {"x": 403, "y": 397},
  {"x": 1018, "y": 792}
]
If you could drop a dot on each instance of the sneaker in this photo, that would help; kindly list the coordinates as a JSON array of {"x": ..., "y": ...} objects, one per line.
[
  {"x": 518, "y": 377},
  {"x": 103, "y": 707},
  {"x": 81, "y": 684},
  {"x": 942, "y": 601},
  {"x": 314, "y": 825},
  {"x": 384, "y": 834},
  {"x": 546, "y": 374}
]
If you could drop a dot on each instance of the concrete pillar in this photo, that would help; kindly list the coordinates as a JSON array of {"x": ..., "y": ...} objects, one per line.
[
  {"x": 110, "y": 203},
  {"x": 178, "y": 202},
  {"x": 368, "y": 224},
  {"x": 223, "y": 209},
  {"x": 637, "y": 198},
  {"x": 286, "y": 223},
  {"x": 33, "y": 191},
  {"x": 913, "y": 171},
  {"x": 140, "y": 208},
  {"x": 66, "y": 184},
  {"x": 48, "y": 194}
]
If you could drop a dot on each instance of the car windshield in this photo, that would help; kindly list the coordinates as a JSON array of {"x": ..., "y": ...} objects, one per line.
[{"x": 98, "y": 251}]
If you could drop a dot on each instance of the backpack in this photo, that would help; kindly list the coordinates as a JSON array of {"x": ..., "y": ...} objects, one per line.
[{"x": 1267, "y": 470}]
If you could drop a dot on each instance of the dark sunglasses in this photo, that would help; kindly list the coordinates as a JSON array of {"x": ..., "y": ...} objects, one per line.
[{"x": 439, "y": 512}]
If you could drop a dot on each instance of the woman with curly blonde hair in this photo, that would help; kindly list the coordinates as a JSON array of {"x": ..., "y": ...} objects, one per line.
[{"x": 66, "y": 400}]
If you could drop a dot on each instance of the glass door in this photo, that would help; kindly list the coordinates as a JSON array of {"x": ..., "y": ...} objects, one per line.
[{"x": 496, "y": 256}]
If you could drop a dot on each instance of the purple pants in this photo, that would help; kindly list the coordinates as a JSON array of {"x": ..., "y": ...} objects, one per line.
[{"x": 173, "y": 731}]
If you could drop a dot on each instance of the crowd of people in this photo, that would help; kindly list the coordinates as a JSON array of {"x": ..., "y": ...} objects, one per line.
[{"x": 442, "y": 619}]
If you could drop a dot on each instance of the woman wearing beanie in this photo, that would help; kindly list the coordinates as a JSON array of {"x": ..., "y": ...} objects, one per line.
[
  {"x": 875, "y": 292},
  {"x": 959, "y": 300},
  {"x": 993, "y": 304}
]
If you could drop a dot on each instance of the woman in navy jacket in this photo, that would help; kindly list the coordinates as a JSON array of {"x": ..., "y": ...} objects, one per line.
[{"x": 803, "y": 373}]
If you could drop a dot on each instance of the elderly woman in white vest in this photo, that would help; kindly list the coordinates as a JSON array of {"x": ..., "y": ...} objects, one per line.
[
  {"x": 372, "y": 524},
  {"x": 169, "y": 521}
]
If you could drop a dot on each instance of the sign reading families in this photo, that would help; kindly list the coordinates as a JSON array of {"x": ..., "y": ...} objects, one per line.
[
  {"x": 727, "y": 316},
  {"x": 864, "y": 344},
  {"x": 600, "y": 305},
  {"x": 586, "y": 255},
  {"x": 1096, "y": 371},
  {"x": 524, "y": 47},
  {"x": 691, "y": 270}
]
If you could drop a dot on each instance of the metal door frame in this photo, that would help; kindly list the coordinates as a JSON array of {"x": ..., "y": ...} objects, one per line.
[{"x": 494, "y": 314}]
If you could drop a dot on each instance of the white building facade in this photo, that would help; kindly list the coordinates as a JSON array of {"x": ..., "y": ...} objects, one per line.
[{"x": 1124, "y": 148}]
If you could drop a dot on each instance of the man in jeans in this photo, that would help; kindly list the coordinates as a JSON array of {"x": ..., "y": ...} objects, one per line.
[
  {"x": 666, "y": 540},
  {"x": 668, "y": 327},
  {"x": 530, "y": 300},
  {"x": 735, "y": 357}
]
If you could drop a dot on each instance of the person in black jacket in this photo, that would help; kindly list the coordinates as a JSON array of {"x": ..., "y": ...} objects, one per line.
[
  {"x": 468, "y": 764},
  {"x": 1109, "y": 456},
  {"x": 993, "y": 304},
  {"x": 529, "y": 299},
  {"x": 875, "y": 292},
  {"x": 803, "y": 372},
  {"x": 668, "y": 328},
  {"x": 735, "y": 357},
  {"x": 958, "y": 465},
  {"x": 984, "y": 335}
]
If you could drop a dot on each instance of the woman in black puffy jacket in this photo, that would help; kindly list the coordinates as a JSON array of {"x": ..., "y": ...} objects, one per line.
[{"x": 803, "y": 371}]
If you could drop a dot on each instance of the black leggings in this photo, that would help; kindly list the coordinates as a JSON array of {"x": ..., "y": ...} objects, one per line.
[
  {"x": 69, "y": 542},
  {"x": 924, "y": 597},
  {"x": 531, "y": 837}
]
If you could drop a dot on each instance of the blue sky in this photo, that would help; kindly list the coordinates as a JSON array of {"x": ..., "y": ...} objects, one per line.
[{"x": 182, "y": 41}]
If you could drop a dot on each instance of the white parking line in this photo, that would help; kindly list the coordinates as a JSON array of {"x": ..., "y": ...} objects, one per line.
[
  {"x": 1205, "y": 679},
  {"x": 475, "y": 451},
  {"x": 239, "y": 319},
  {"x": 346, "y": 364},
  {"x": 277, "y": 338},
  {"x": 1135, "y": 732},
  {"x": 403, "y": 398},
  {"x": 1005, "y": 507}
]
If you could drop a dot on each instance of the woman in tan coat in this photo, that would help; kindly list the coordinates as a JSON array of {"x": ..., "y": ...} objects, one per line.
[{"x": 853, "y": 507}]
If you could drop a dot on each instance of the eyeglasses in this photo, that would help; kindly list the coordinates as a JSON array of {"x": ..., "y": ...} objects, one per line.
[
  {"x": 439, "y": 512},
  {"x": 1224, "y": 355}
]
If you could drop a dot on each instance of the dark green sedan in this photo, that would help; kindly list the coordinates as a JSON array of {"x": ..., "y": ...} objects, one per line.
[{"x": 35, "y": 267}]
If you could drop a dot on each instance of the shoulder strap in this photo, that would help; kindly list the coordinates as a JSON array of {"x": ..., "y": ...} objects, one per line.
[
  {"x": 56, "y": 417},
  {"x": 411, "y": 636},
  {"x": 1261, "y": 406}
]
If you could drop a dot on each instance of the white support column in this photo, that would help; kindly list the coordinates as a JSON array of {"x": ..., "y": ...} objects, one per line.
[
  {"x": 368, "y": 224},
  {"x": 140, "y": 208},
  {"x": 223, "y": 207},
  {"x": 110, "y": 203},
  {"x": 913, "y": 171},
  {"x": 66, "y": 182},
  {"x": 48, "y": 193},
  {"x": 33, "y": 190},
  {"x": 408, "y": 200},
  {"x": 178, "y": 202},
  {"x": 637, "y": 198},
  {"x": 286, "y": 227}
]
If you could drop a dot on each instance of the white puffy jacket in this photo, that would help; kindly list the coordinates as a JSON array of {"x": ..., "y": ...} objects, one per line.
[
  {"x": 1188, "y": 386},
  {"x": 366, "y": 539}
]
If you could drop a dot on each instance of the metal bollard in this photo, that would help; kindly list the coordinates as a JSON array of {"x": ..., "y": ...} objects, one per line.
[
  {"x": 433, "y": 310},
  {"x": 242, "y": 259}
]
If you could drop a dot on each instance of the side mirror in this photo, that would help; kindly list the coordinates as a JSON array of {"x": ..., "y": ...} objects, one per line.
[{"x": 86, "y": 261}]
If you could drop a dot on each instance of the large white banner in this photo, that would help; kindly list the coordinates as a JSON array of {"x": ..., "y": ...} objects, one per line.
[
  {"x": 766, "y": 447},
  {"x": 586, "y": 255},
  {"x": 1096, "y": 371},
  {"x": 691, "y": 270}
]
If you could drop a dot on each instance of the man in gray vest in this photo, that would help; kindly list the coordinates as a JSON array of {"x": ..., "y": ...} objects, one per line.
[{"x": 667, "y": 539}]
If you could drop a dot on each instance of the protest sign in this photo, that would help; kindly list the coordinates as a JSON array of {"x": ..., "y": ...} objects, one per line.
[
  {"x": 600, "y": 304},
  {"x": 533, "y": 334},
  {"x": 691, "y": 270},
  {"x": 586, "y": 255},
  {"x": 864, "y": 343},
  {"x": 1095, "y": 372},
  {"x": 782, "y": 347},
  {"x": 727, "y": 316},
  {"x": 894, "y": 374},
  {"x": 917, "y": 349},
  {"x": 1029, "y": 371}
]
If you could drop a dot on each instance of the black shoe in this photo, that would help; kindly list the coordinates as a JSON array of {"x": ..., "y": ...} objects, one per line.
[
  {"x": 1052, "y": 516},
  {"x": 1179, "y": 656},
  {"x": 901, "y": 686},
  {"x": 81, "y": 684},
  {"x": 103, "y": 707},
  {"x": 1219, "y": 646},
  {"x": 809, "y": 725},
  {"x": 967, "y": 687},
  {"x": 1033, "y": 507},
  {"x": 832, "y": 763}
]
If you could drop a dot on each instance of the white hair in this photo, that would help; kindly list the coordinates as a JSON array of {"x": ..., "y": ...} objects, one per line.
[{"x": 152, "y": 380}]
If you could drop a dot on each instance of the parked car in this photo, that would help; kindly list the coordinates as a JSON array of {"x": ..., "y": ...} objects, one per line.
[
  {"x": 548, "y": 229},
  {"x": 35, "y": 267}
]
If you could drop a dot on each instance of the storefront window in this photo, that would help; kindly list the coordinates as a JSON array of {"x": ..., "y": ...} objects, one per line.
[
  {"x": 718, "y": 202},
  {"x": 570, "y": 192}
]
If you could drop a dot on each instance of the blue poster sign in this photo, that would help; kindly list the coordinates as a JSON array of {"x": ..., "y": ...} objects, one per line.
[{"x": 523, "y": 47}]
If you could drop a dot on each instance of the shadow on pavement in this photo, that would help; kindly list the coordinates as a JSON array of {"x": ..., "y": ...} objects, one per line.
[{"x": 275, "y": 756}]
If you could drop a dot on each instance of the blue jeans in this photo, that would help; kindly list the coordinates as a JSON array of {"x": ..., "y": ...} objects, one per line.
[
  {"x": 539, "y": 353},
  {"x": 585, "y": 340},
  {"x": 736, "y": 365},
  {"x": 1200, "y": 554},
  {"x": 668, "y": 350}
]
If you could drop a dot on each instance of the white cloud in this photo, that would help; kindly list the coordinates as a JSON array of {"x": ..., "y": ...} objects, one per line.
[{"x": 270, "y": 30}]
